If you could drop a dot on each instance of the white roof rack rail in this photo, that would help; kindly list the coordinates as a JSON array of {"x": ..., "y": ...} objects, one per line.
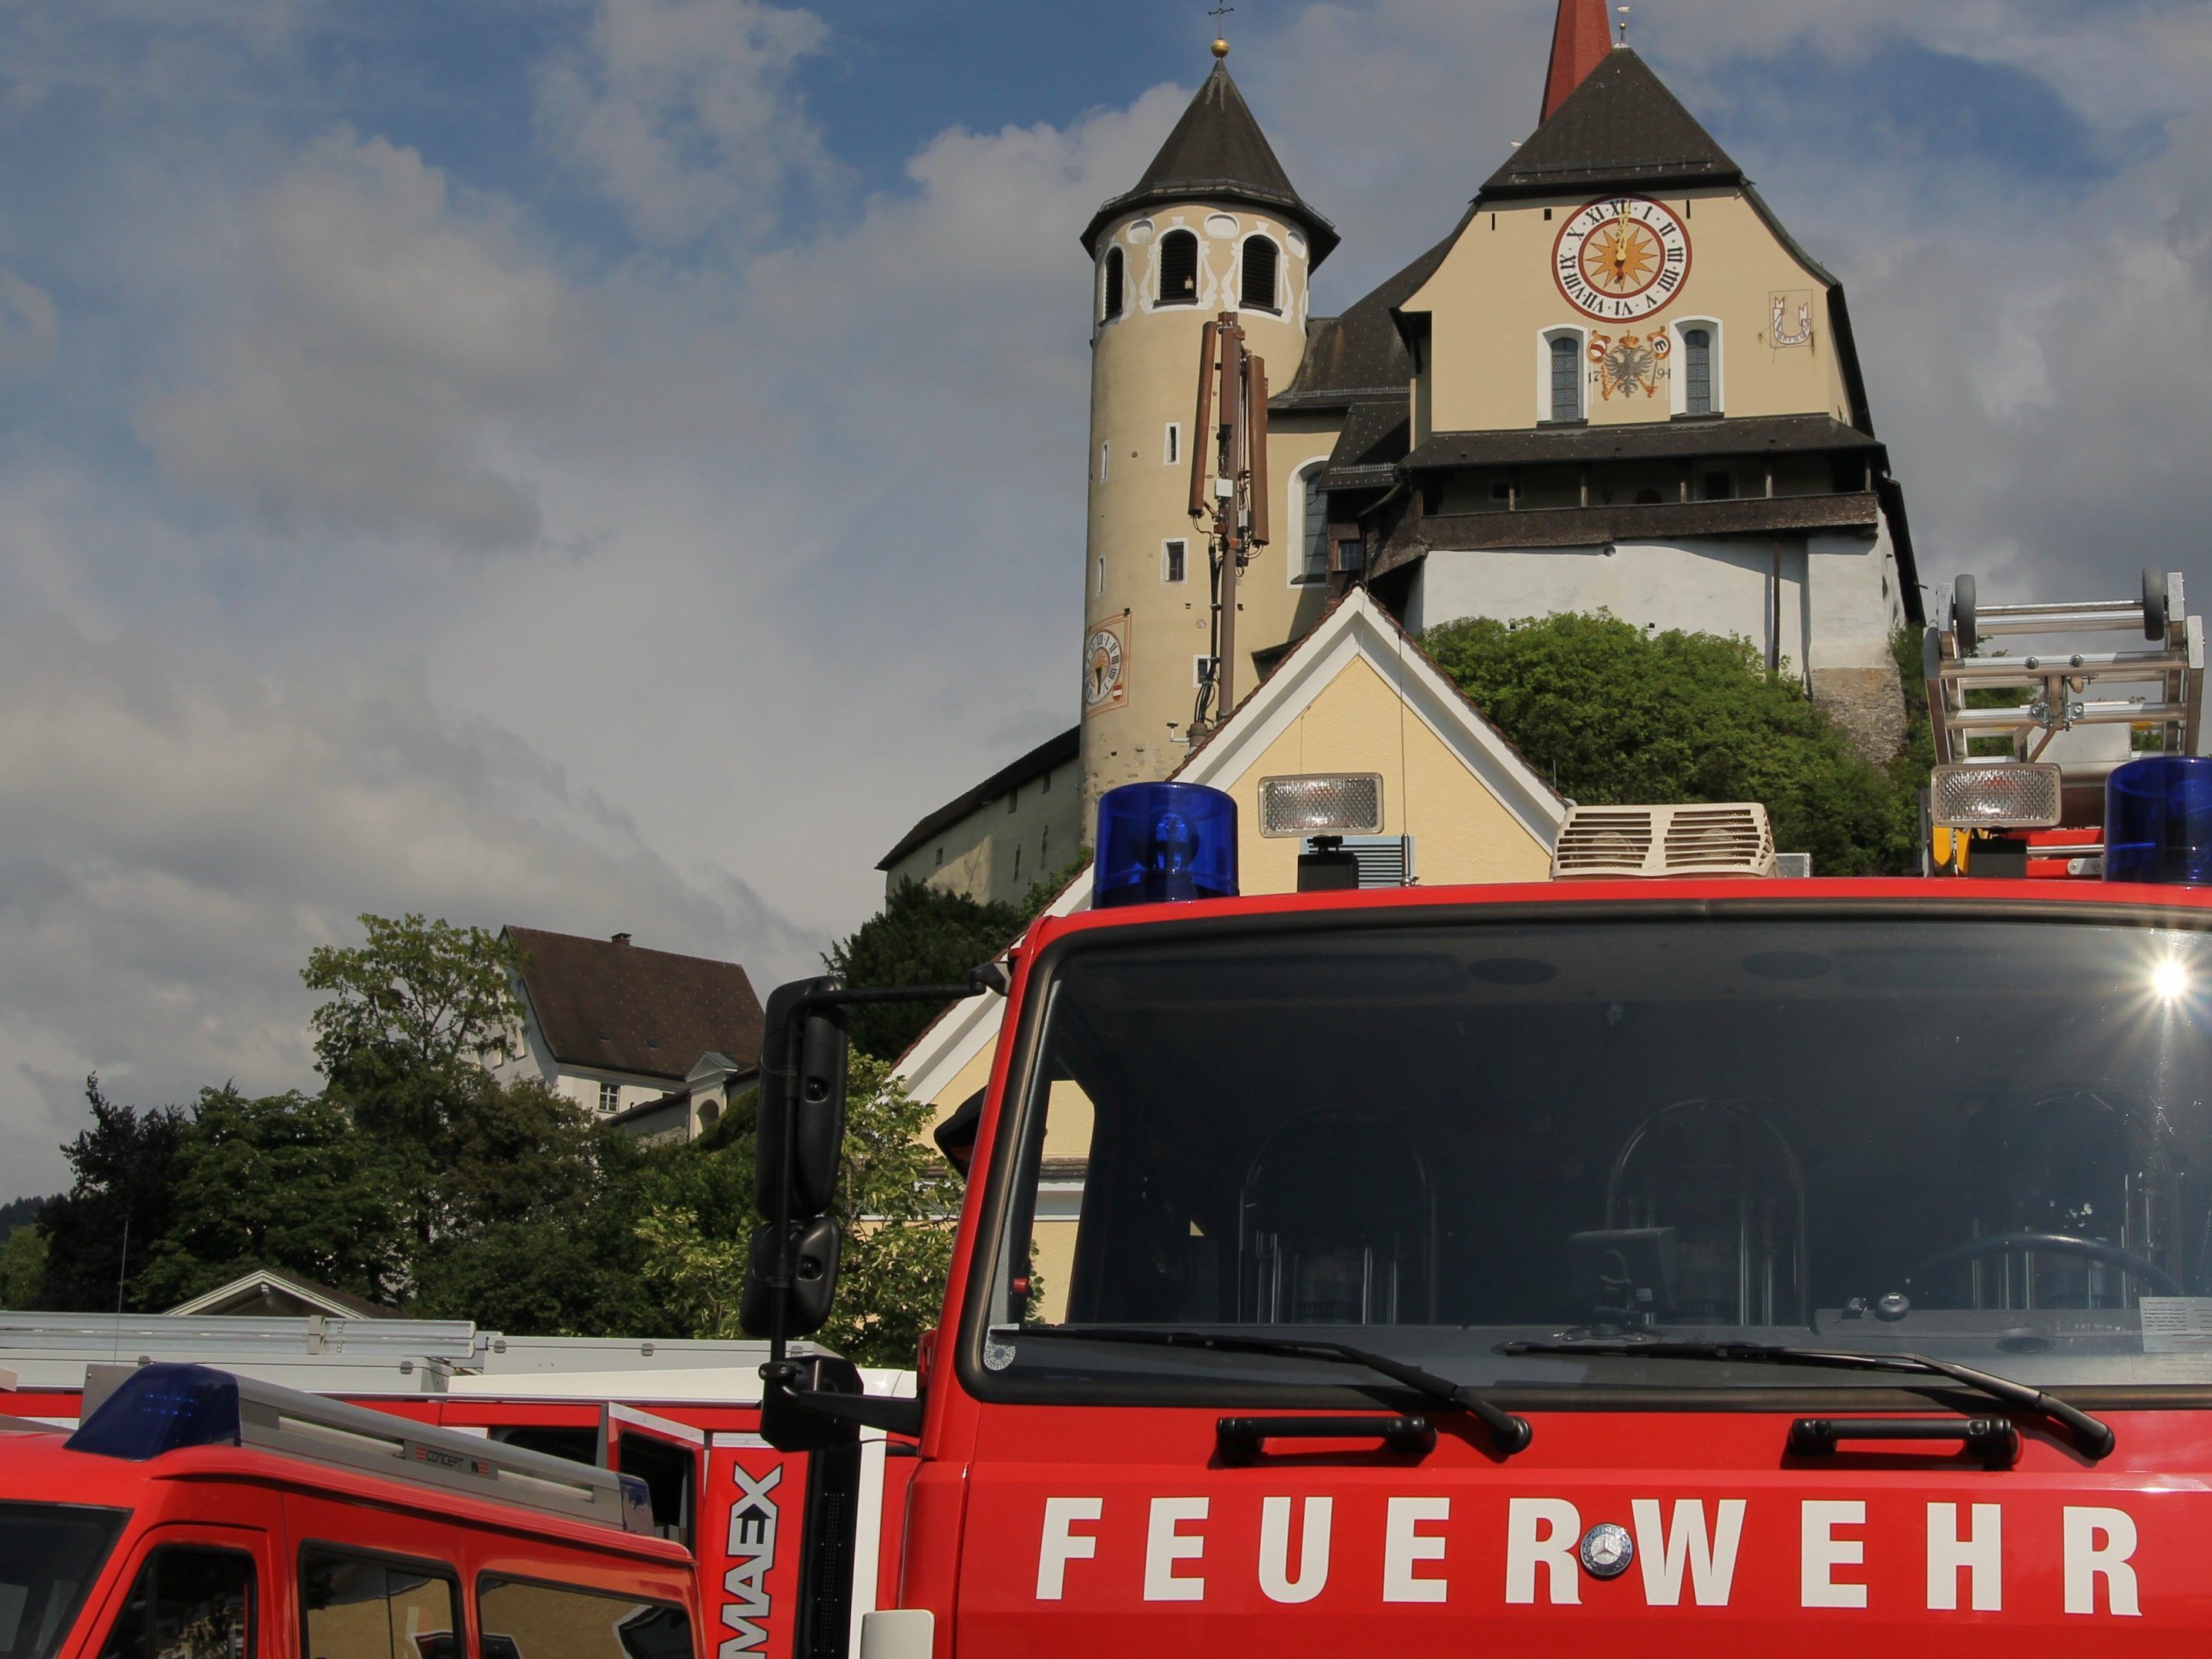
[{"x": 1599, "y": 843}]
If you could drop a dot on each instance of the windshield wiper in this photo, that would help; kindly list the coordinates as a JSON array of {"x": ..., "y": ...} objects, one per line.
[
  {"x": 2095, "y": 1438},
  {"x": 1511, "y": 1433}
]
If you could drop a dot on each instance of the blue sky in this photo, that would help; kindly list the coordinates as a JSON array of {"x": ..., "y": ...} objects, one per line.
[{"x": 614, "y": 463}]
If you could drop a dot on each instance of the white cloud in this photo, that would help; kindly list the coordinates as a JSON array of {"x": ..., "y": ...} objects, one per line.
[
  {"x": 389, "y": 334},
  {"x": 683, "y": 112},
  {"x": 816, "y": 480},
  {"x": 176, "y": 836},
  {"x": 29, "y": 324}
]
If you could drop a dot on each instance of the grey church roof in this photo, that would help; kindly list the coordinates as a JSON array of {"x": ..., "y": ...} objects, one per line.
[
  {"x": 1621, "y": 128},
  {"x": 1216, "y": 153}
]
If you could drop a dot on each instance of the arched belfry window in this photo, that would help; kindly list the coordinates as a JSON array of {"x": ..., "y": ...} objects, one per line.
[
  {"x": 1256, "y": 286},
  {"x": 1697, "y": 371},
  {"x": 1111, "y": 306},
  {"x": 1179, "y": 268},
  {"x": 1566, "y": 377}
]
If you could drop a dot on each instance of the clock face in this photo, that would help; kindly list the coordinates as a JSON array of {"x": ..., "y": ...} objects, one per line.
[
  {"x": 1622, "y": 258},
  {"x": 1101, "y": 666}
]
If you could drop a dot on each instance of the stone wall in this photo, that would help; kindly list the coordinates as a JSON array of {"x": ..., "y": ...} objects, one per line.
[{"x": 1867, "y": 705}]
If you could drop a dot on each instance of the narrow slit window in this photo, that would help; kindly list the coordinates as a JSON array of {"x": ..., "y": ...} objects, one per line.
[
  {"x": 1314, "y": 544},
  {"x": 1697, "y": 371},
  {"x": 1173, "y": 447},
  {"x": 1112, "y": 306},
  {"x": 1179, "y": 268},
  {"x": 1257, "y": 287},
  {"x": 1566, "y": 377}
]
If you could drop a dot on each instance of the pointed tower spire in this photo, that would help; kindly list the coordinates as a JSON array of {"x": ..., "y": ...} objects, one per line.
[
  {"x": 1580, "y": 40},
  {"x": 1217, "y": 152}
]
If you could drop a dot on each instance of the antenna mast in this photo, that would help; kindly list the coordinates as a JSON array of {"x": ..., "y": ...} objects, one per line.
[{"x": 1228, "y": 484}]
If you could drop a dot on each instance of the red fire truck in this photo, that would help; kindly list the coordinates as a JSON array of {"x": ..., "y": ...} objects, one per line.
[
  {"x": 197, "y": 1515},
  {"x": 1582, "y": 1267},
  {"x": 663, "y": 1464},
  {"x": 1691, "y": 1260}
]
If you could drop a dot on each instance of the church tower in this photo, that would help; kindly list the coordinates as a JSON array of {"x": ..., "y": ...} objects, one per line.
[{"x": 1213, "y": 226}]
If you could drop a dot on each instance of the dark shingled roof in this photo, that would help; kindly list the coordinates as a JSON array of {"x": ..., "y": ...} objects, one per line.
[
  {"x": 1589, "y": 527},
  {"x": 1216, "y": 153},
  {"x": 1621, "y": 128},
  {"x": 1361, "y": 354},
  {"x": 1755, "y": 434},
  {"x": 1052, "y": 752},
  {"x": 624, "y": 1008}
]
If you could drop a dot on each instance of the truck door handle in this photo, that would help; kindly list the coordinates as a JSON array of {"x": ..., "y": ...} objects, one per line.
[
  {"x": 1991, "y": 1438},
  {"x": 1244, "y": 1439}
]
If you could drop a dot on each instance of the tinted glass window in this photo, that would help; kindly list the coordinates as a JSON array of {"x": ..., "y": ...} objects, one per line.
[
  {"x": 1566, "y": 377},
  {"x": 525, "y": 1621},
  {"x": 187, "y": 1603},
  {"x": 49, "y": 1553},
  {"x": 1698, "y": 366},
  {"x": 361, "y": 1608},
  {"x": 1989, "y": 1141}
]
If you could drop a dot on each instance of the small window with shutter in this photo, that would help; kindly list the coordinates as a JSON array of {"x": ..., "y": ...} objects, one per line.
[
  {"x": 1256, "y": 289},
  {"x": 1179, "y": 268}
]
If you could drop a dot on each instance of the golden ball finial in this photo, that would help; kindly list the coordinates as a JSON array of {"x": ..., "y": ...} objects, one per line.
[{"x": 1220, "y": 47}]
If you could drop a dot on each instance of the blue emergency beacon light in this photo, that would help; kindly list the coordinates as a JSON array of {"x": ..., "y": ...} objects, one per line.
[
  {"x": 2158, "y": 820},
  {"x": 1165, "y": 842}
]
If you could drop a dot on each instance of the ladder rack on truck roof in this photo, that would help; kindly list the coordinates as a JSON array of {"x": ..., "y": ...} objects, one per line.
[
  {"x": 140, "y": 1411},
  {"x": 2040, "y": 785}
]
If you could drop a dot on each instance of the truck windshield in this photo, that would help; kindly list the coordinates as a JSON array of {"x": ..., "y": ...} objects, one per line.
[
  {"x": 49, "y": 1553},
  {"x": 1989, "y": 1141}
]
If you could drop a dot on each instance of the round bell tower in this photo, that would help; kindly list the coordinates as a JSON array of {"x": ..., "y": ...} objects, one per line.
[{"x": 1213, "y": 226}]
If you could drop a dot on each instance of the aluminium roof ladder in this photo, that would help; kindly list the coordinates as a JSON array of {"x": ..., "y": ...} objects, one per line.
[{"x": 2060, "y": 682}]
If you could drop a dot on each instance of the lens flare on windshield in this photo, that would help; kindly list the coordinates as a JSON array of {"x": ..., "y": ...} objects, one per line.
[{"x": 2170, "y": 979}]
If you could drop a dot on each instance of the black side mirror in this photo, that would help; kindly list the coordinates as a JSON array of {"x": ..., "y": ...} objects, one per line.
[
  {"x": 815, "y": 1247},
  {"x": 791, "y": 1267},
  {"x": 802, "y": 1099}
]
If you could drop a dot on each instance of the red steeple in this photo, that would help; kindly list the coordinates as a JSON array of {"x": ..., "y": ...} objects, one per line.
[{"x": 1580, "y": 41}]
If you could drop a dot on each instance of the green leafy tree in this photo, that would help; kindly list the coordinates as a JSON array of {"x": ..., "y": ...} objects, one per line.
[
  {"x": 408, "y": 1018},
  {"x": 284, "y": 1182},
  {"x": 420, "y": 994},
  {"x": 922, "y": 936},
  {"x": 894, "y": 1198},
  {"x": 513, "y": 1242},
  {"x": 22, "y": 1267},
  {"x": 100, "y": 1233},
  {"x": 1613, "y": 714}
]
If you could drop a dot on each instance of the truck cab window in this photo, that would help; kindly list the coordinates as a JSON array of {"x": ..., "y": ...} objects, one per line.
[
  {"x": 521, "y": 1620},
  {"x": 187, "y": 1603},
  {"x": 49, "y": 1553},
  {"x": 366, "y": 1607},
  {"x": 1436, "y": 1142}
]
